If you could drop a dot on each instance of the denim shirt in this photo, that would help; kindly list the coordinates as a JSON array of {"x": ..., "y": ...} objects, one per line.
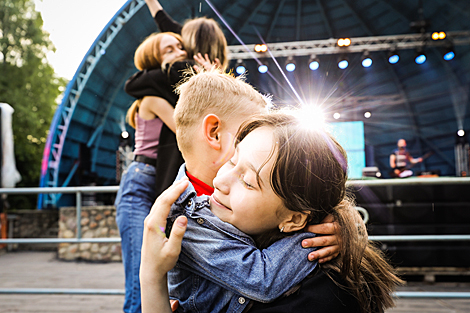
[{"x": 220, "y": 269}]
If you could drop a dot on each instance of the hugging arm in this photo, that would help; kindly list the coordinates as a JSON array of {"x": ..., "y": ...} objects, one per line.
[
  {"x": 143, "y": 83},
  {"x": 328, "y": 241},
  {"x": 237, "y": 265},
  {"x": 160, "y": 108},
  {"x": 156, "y": 82}
]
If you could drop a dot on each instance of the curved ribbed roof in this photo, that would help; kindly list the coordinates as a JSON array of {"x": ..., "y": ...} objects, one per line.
[{"x": 424, "y": 104}]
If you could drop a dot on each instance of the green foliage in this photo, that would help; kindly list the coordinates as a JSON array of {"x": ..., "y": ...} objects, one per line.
[{"x": 27, "y": 83}]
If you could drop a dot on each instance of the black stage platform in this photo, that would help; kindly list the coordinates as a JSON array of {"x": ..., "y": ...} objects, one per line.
[{"x": 418, "y": 206}]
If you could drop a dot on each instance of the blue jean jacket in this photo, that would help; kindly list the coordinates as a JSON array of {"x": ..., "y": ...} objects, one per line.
[{"x": 220, "y": 268}]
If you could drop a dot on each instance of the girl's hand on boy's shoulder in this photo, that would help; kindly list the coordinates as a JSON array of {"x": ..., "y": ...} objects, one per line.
[
  {"x": 159, "y": 254},
  {"x": 328, "y": 237}
]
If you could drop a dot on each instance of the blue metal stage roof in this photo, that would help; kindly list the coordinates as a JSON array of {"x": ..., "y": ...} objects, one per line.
[{"x": 425, "y": 104}]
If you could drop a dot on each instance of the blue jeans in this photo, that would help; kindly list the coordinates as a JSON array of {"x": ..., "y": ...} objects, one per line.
[{"x": 134, "y": 199}]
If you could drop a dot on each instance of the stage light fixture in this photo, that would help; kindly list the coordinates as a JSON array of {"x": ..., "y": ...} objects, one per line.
[
  {"x": 343, "y": 62},
  {"x": 290, "y": 64},
  {"x": 449, "y": 53},
  {"x": 240, "y": 67},
  {"x": 313, "y": 63},
  {"x": 344, "y": 42},
  {"x": 438, "y": 35},
  {"x": 336, "y": 116},
  {"x": 366, "y": 59},
  {"x": 263, "y": 68},
  {"x": 367, "y": 114},
  {"x": 393, "y": 57},
  {"x": 260, "y": 48},
  {"x": 420, "y": 56},
  {"x": 460, "y": 133}
]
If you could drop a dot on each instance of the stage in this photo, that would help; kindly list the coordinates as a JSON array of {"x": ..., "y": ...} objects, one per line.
[{"x": 418, "y": 206}]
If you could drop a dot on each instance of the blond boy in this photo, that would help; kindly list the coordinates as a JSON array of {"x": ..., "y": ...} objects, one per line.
[{"x": 211, "y": 107}]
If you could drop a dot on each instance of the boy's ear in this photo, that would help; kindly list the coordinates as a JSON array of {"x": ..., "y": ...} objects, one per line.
[
  {"x": 294, "y": 221},
  {"x": 211, "y": 129}
]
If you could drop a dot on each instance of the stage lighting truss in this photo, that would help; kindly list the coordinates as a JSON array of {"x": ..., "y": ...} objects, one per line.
[{"x": 358, "y": 45}]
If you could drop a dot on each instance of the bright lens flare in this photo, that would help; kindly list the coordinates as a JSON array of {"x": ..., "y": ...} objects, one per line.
[{"x": 311, "y": 117}]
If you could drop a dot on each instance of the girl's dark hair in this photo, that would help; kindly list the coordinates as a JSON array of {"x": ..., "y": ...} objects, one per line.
[
  {"x": 309, "y": 175},
  {"x": 204, "y": 35}
]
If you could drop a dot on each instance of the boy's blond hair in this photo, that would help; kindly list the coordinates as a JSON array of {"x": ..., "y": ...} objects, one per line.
[{"x": 216, "y": 93}]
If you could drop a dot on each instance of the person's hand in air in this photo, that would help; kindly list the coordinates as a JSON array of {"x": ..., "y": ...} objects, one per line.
[{"x": 204, "y": 63}]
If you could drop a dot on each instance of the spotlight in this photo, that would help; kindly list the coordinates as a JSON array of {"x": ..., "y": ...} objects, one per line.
[
  {"x": 343, "y": 42},
  {"x": 449, "y": 54},
  {"x": 366, "y": 60},
  {"x": 261, "y": 48},
  {"x": 393, "y": 57},
  {"x": 336, "y": 116},
  {"x": 240, "y": 67},
  {"x": 343, "y": 62},
  {"x": 438, "y": 35},
  {"x": 460, "y": 133},
  {"x": 420, "y": 56},
  {"x": 263, "y": 68},
  {"x": 313, "y": 63},
  {"x": 367, "y": 114},
  {"x": 290, "y": 64}
]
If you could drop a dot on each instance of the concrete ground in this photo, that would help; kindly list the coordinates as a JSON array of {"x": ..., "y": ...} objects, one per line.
[{"x": 44, "y": 270}]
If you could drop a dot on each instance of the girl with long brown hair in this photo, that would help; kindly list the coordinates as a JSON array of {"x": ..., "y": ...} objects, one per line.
[{"x": 283, "y": 177}]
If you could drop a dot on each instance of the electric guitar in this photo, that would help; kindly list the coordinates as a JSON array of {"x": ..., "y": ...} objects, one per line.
[{"x": 406, "y": 171}]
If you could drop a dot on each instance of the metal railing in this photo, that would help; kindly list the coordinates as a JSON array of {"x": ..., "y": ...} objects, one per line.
[{"x": 112, "y": 189}]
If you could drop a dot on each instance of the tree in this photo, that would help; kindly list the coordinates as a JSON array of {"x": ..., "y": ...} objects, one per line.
[{"x": 28, "y": 83}]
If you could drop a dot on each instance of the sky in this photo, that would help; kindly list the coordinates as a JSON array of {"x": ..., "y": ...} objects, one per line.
[{"x": 73, "y": 26}]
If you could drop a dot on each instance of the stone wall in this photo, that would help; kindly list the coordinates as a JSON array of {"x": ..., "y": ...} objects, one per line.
[
  {"x": 96, "y": 222},
  {"x": 34, "y": 224}
]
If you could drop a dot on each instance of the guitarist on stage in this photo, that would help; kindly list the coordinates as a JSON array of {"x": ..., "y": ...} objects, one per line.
[{"x": 399, "y": 160}]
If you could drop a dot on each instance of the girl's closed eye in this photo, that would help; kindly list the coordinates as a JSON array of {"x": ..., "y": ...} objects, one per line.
[{"x": 246, "y": 183}]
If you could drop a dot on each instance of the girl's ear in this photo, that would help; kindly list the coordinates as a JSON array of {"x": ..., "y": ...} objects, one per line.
[
  {"x": 294, "y": 221},
  {"x": 211, "y": 129}
]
